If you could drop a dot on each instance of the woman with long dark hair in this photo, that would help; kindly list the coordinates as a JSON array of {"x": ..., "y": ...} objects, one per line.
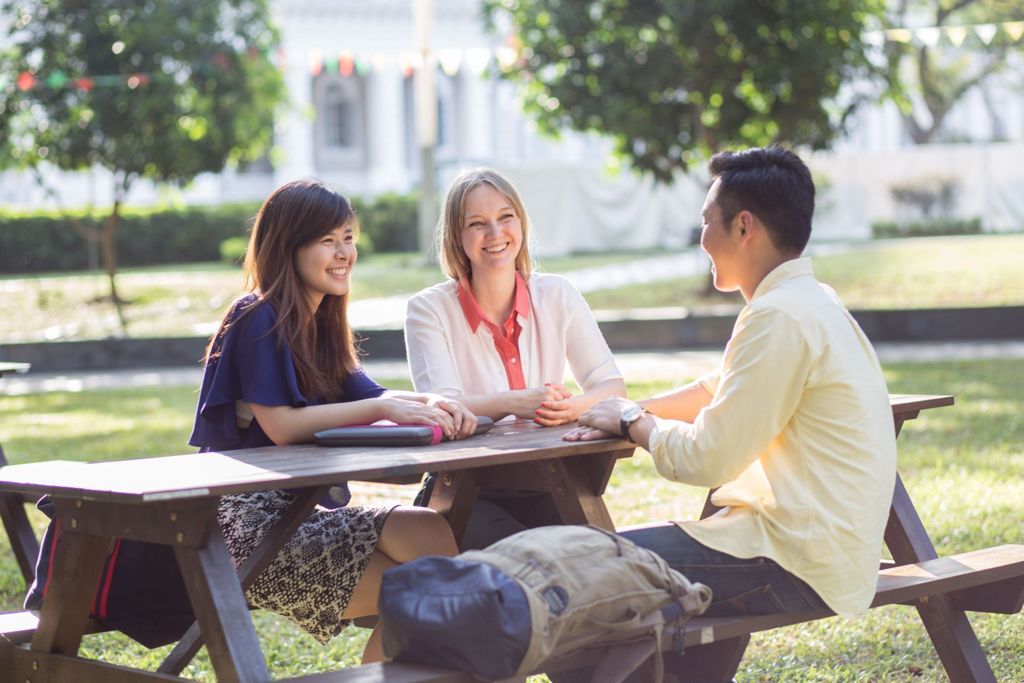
[{"x": 283, "y": 366}]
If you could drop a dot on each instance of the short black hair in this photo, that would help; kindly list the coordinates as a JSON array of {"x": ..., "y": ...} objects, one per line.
[{"x": 774, "y": 184}]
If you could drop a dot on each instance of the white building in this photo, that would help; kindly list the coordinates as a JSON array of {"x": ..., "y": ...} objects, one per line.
[{"x": 352, "y": 122}]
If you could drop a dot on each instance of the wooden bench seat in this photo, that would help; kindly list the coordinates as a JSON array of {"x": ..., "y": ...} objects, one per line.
[
  {"x": 18, "y": 627},
  {"x": 954, "y": 575},
  {"x": 987, "y": 580},
  {"x": 390, "y": 672}
]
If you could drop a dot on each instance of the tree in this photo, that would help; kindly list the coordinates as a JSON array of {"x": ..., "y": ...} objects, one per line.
[
  {"x": 937, "y": 75},
  {"x": 142, "y": 88},
  {"x": 674, "y": 80}
]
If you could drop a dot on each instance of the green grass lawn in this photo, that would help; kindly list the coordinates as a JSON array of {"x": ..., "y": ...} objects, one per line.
[
  {"x": 191, "y": 298},
  {"x": 938, "y": 272},
  {"x": 964, "y": 468}
]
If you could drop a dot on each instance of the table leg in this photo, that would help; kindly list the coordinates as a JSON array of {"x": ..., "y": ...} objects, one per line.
[
  {"x": 715, "y": 662},
  {"x": 221, "y": 611},
  {"x": 19, "y": 531},
  {"x": 575, "y": 484},
  {"x": 78, "y": 563},
  {"x": 950, "y": 631},
  {"x": 263, "y": 555},
  {"x": 453, "y": 496}
]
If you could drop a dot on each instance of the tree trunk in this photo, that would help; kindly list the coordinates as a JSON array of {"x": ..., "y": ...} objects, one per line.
[{"x": 108, "y": 253}]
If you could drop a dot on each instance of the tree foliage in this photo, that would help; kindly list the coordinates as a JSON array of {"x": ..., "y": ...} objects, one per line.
[
  {"x": 142, "y": 88},
  {"x": 935, "y": 77},
  {"x": 673, "y": 80}
]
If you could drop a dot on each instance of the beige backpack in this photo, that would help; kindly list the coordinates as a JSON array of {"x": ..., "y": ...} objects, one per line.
[{"x": 590, "y": 588}]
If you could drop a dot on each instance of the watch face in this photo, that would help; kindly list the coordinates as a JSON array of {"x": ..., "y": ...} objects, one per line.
[{"x": 631, "y": 413}]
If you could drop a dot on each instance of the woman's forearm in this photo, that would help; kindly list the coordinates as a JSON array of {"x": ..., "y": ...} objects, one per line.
[
  {"x": 287, "y": 425},
  {"x": 598, "y": 393}
]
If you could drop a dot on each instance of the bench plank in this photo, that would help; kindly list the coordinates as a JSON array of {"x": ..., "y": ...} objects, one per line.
[
  {"x": 28, "y": 665},
  {"x": 896, "y": 585},
  {"x": 390, "y": 672},
  {"x": 18, "y": 627},
  {"x": 900, "y": 584},
  {"x": 714, "y": 645}
]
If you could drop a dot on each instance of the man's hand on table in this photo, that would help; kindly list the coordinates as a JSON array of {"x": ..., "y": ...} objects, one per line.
[{"x": 602, "y": 421}]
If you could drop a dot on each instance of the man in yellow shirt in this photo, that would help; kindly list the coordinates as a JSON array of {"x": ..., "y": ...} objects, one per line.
[{"x": 794, "y": 429}]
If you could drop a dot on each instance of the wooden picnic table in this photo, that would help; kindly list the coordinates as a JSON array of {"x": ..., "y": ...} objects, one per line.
[{"x": 173, "y": 500}]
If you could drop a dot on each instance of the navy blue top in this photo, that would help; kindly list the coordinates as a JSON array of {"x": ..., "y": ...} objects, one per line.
[{"x": 255, "y": 365}]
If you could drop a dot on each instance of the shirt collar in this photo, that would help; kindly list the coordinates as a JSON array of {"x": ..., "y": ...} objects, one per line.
[
  {"x": 471, "y": 309},
  {"x": 787, "y": 270}
]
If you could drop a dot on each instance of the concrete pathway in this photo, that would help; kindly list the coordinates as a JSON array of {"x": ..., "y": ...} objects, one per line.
[{"x": 673, "y": 366}]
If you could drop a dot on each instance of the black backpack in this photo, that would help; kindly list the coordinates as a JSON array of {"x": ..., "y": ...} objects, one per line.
[{"x": 141, "y": 592}]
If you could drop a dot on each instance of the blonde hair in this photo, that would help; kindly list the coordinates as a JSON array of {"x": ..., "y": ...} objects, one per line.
[{"x": 450, "y": 253}]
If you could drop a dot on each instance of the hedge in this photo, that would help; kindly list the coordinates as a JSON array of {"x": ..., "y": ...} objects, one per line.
[
  {"x": 389, "y": 220},
  {"x": 45, "y": 242},
  {"x": 926, "y": 227}
]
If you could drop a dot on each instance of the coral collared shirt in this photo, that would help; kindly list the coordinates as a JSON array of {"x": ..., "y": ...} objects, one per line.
[
  {"x": 506, "y": 337},
  {"x": 447, "y": 357}
]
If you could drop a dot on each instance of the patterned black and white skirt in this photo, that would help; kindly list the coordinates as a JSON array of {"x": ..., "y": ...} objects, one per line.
[{"x": 312, "y": 578}]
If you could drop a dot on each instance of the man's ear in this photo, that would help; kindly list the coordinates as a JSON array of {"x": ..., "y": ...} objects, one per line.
[{"x": 744, "y": 222}]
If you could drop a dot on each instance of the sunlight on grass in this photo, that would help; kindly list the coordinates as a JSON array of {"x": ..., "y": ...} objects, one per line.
[
  {"x": 933, "y": 272},
  {"x": 963, "y": 465}
]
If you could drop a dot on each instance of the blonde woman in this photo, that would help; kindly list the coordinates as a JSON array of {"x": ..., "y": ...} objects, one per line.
[{"x": 498, "y": 335}]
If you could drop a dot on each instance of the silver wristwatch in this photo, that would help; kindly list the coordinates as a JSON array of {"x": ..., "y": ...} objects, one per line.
[{"x": 629, "y": 415}]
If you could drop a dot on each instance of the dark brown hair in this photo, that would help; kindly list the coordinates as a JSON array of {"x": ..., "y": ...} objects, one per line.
[
  {"x": 321, "y": 342},
  {"x": 772, "y": 183}
]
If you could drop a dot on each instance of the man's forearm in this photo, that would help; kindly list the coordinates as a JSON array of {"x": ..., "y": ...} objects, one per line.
[{"x": 684, "y": 403}]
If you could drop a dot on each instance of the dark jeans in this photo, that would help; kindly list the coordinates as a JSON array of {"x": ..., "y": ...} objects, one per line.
[{"x": 739, "y": 586}]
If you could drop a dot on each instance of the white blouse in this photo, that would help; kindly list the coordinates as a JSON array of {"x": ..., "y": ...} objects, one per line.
[{"x": 447, "y": 357}]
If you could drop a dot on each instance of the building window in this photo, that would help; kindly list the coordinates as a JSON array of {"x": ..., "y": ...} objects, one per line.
[
  {"x": 340, "y": 117},
  {"x": 340, "y": 135}
]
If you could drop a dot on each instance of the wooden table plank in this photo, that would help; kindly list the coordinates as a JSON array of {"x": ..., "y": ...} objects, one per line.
[{"x": 199, "y": 475}]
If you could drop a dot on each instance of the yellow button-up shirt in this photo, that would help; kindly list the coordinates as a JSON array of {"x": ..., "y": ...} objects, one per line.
[{"x": 798, "y": 436}]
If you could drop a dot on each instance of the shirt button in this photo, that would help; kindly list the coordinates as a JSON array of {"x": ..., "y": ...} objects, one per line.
[{"x": 513, "y": 360}]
